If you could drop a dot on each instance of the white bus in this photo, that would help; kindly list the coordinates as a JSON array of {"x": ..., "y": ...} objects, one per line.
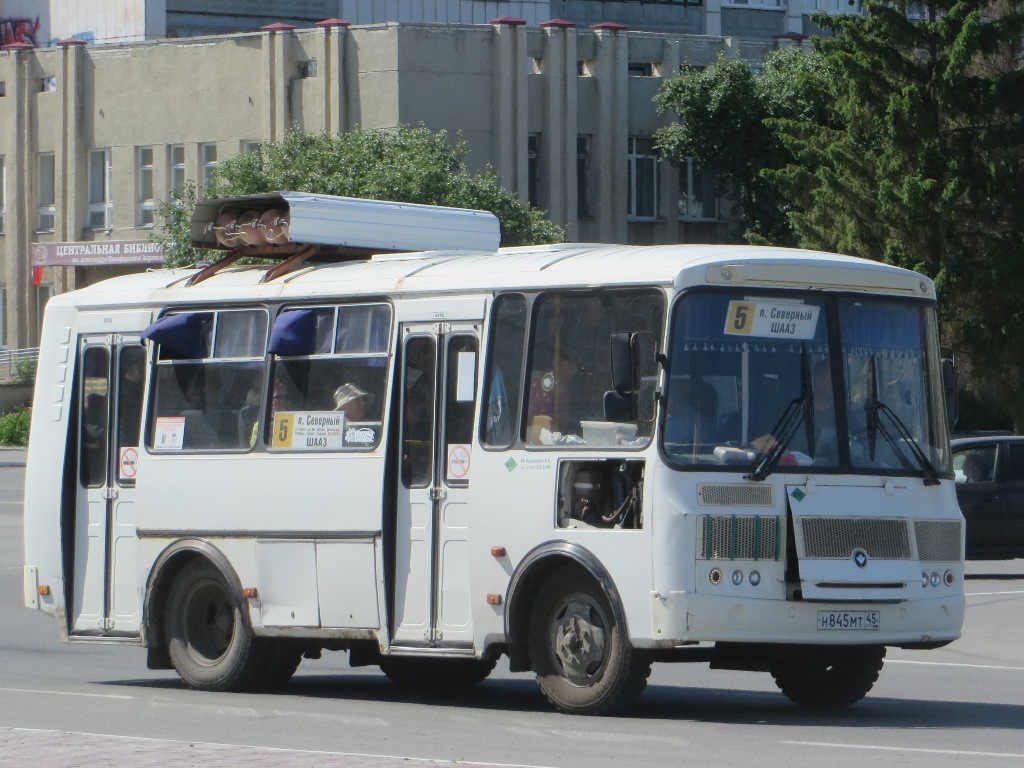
[{"x": 406, "y": 443}]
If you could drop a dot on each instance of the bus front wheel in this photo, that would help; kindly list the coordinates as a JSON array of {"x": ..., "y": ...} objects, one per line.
[
  {"x": 206, "y": 638},
  {"x": 580, "y": 654},
  {"x": 828, "y": 678}
]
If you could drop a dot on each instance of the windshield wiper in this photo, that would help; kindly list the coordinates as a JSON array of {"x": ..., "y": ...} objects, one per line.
[
  {"x": 801, "y": 409},
  {"x": 873, "y": 407}
]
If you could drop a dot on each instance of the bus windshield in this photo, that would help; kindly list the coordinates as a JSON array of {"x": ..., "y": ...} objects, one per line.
[{"x": 762, "y": 383}]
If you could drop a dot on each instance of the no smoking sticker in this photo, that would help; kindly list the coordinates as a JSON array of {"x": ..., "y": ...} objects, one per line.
[
  {"x": 128, "y": 463},
  {"x": 458, "y": 461}
]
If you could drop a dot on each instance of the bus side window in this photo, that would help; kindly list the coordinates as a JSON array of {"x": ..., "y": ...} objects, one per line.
[{"x": 503, "y": 380}]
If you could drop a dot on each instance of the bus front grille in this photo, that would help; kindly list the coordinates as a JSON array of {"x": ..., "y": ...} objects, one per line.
[
  {"x": 938, "y": 541},
  {"x": 735, "y": 495},
  {"x": 740, "y": 537},
  {"x": 837, "y": 538}
]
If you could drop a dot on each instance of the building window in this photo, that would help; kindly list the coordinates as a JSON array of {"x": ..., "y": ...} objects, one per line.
[
  {"x": 698, "y": 192},
  {"x": 3, "y": 194},
  {"x": 101, "y": 204},
  {"x": 533, "y": 169},
  {"x": 208, "y": 155},
  {"x": 144, "y": 164},
  {"x": 250, "y": 146},
  {"x": 773, "y": 5},
  {"x": 642, "y": 197},
  {"x": 47, "y": 199},
  {"x": 48, "y": 84},
  {"x": 641, "y": 69},
  {"x": 176, "y": 169},
  {"x": 583, "y": 176}
]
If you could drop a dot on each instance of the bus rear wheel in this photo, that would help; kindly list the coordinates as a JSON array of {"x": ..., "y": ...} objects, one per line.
[
  {"x": 828, "y": 678},
  {"x": 580, "y": 654},
  {"x": 206, "y": 638}
]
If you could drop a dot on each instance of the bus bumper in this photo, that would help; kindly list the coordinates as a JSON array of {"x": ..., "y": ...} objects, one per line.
[{"x": 682, "y": 617}]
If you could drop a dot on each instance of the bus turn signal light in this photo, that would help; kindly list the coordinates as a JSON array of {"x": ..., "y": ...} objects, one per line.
[
  {"x": 493, "y": 599},
  {"x": 43, "y": 590},
  {"x": 498, "y": 551},
  {"x": 249, "y": 592}
]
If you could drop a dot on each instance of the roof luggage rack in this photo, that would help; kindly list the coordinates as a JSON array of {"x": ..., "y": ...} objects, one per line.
[{"x": 297, "y": 227}]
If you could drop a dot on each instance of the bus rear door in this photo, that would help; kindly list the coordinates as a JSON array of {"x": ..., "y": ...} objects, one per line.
[{"x": 105, "y": 596}]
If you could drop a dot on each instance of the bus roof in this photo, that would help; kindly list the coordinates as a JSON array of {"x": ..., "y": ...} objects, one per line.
[{"x": 565, "y": 265}]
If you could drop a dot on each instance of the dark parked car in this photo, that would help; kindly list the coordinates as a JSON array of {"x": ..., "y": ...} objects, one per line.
[{"x": 990, "y": 489}]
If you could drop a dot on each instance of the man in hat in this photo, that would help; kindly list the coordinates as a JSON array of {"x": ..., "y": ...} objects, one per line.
[{"x": 353, "y": 401}]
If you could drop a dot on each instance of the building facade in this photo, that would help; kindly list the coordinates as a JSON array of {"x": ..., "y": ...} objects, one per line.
[{"x": 92, "y": 138}]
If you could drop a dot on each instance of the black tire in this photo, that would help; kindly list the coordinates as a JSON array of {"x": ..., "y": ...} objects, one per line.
[
  {"x": 207, "y": 641},
  {"x": 283, "y": 658},
  {"x": 828, "y": 678},
  {"x": 434, "y": 673},
  {"x": 581, "y": 656}
]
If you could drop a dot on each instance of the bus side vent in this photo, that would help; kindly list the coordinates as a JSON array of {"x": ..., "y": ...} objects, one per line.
[
  {"x": 938, "y": 541},
  {"x": 740, "y": 537},
  {"x": 836, "y": 538},
  {"x": 735, "y": 495}
]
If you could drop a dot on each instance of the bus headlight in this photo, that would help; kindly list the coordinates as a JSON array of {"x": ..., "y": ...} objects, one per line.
[
  {"x": 737, "y": 577},
  {"x": 715, "y": 576},
  {"x": 754, "y": 578}
]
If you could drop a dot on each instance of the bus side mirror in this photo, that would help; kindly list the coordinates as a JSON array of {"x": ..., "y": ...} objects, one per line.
[
  {"x": 622, "y": 362},
  {"x": 949, "y": 391}
]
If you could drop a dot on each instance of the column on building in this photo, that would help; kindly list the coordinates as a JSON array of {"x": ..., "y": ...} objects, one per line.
[
  {"x": 560, "y": 71},
  {"x": 510, "y": 130},
  {"x": 276, "y": 59},
  {"x": 610, "y": 141},
  {"x": 335, "y": 48}
]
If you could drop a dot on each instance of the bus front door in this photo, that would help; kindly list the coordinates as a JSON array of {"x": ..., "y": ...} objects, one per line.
[
  {"x": 104, "y": 592},
  {"x": 432, "y": 584}
]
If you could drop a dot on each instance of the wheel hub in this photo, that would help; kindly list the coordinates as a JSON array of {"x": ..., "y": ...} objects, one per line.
[{"x": 579, "y": 641}]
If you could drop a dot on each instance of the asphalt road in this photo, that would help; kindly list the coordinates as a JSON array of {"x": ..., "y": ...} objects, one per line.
[{"x": 87, "y": 705}]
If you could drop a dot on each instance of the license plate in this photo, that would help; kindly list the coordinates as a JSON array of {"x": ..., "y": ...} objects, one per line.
[{"x": 848, "y": 620}]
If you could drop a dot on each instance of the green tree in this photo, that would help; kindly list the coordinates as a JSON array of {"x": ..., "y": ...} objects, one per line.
[
  {"x": 724, "y": 123},
  {"x": 920, "y": 163}
]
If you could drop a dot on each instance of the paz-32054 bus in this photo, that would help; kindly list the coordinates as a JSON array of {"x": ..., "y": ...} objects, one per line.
[{"x": 401, "y": 441}]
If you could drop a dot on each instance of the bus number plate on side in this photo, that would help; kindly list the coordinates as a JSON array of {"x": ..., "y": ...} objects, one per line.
[{"x": 869, "y": 620}]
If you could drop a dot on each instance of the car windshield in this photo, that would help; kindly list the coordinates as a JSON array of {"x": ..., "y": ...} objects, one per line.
[{"x": 757, "y": 384}]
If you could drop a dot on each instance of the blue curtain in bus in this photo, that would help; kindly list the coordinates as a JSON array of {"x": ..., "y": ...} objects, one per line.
[
  {"x": 185, "y": 334},
  {"x": 889, "y": 330},
  {"x": 294, "y": 333}
]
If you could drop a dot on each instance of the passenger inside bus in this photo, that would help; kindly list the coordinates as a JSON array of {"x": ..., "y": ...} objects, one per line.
[
  {"x": 553, "y": 409},
  {"x": 353, "y": 401}
]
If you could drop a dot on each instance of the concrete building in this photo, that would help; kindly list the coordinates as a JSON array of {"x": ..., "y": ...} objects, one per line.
[
  {"x": 121, "y": 21},
  {"x": 92, "y": 137}
]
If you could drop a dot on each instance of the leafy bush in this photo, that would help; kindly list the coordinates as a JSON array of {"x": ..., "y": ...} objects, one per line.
[
  {"x": 14, "y": 427},
  {"x": 25, "y": 371}
]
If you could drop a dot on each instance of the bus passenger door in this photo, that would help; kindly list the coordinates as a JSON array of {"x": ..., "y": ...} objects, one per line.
[
  {"x": 105, "y": 594},
  {"x": 432, "y": 595}
]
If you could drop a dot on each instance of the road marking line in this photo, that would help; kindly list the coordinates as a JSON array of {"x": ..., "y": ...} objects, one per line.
[
  {"x": 193, "y": 744},
  {"x": 68, "y": 693},
  {"x": 952, "y": 664},
  {"x": 920, "y": 750}
]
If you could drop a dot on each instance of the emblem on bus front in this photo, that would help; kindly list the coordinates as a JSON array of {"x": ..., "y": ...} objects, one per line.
[{"x": 860, "y": 557}]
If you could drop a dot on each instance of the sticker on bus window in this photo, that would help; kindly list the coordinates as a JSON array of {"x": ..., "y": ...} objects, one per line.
[
  {"x": 771, "y": 320},
  {"x": 309, "y": 430},
  {"x": 169, "y": 434}
]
